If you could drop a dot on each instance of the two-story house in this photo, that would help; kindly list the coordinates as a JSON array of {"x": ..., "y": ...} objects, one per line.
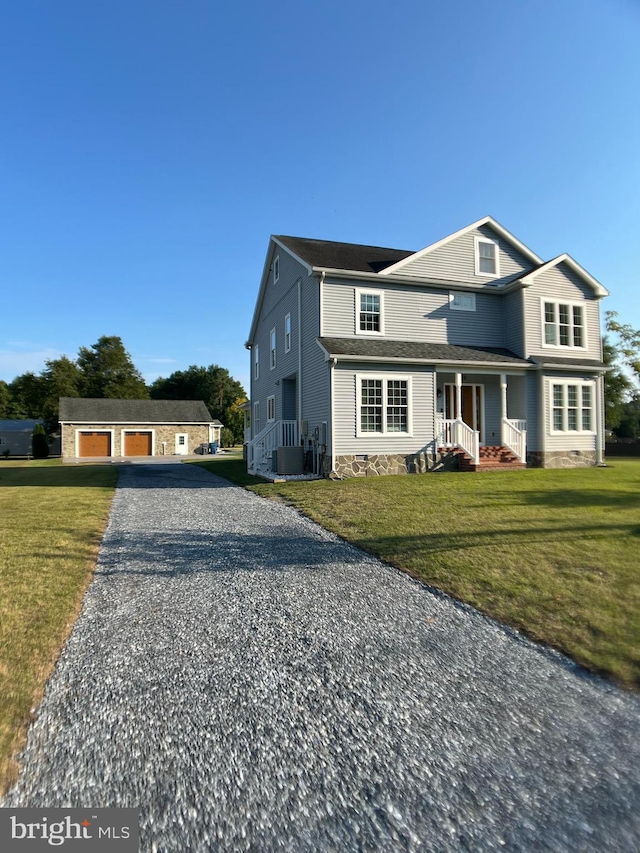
[{"x": 382, "y": 360}]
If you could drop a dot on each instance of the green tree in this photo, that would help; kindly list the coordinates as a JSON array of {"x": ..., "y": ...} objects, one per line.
[
  {"x": 621, "y": 350},
  {"x": 5, "y": 400},
  {"x": 26, "y": 396},
  {"x": 215, "y": 385},
  {"x": 61, "y": 378},
  {"x": 617, "y": 387},
  {"x": 108, "y": 371}
]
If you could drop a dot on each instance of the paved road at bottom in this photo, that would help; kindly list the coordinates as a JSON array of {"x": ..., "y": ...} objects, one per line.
[{"x": 253, "y": 683}]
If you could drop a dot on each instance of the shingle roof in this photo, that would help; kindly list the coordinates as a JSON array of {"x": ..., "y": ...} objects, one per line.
[
  {"x": 98, "y": 410},
  {"x": 343, "y": 256},
  {"x": 385, "y": 349},
  {"x": 563, "y": 361}
]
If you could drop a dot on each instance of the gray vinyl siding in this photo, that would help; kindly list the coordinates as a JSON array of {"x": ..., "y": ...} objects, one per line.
[
  {"x": 455, "y": 261},
  {"x": 417, "y": 314},
  {"x": 346, "y": 416},
  {"x": 567, "y": 440},
  {"x": 513, "y": 322},
  {"x": 558, "y": 284},
  {"x": 279, "y": 300},
  {"x": 315, "y": 367}
]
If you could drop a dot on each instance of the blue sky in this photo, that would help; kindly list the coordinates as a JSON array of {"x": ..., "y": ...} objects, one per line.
[{"x": 148, "y": 148}]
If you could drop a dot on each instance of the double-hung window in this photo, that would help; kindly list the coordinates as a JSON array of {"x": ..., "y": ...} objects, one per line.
[
  {"x": 572, "y": 406},
  {"x": 563, "y": 324},
  {"x": 256, "y": 418},
  {"x": 256, "y": 362},
  {"x": 276, "y": 268},
  {"x": 384, "y": 405},
  {"x": 487, "y": 259},
  {"x": 272, "y": 349},
  {"x": 287, "y": 333},
  {"x": 369, "y": 312},
  {"x": 271, "y": 409}
]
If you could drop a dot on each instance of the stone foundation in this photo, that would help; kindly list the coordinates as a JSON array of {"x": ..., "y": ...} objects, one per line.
[
  {"x": 381, "y": 464},
  {"x": 562, "y": 459}
]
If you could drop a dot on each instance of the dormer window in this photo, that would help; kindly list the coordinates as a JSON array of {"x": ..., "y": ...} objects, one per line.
[
  {"x": 487, "y": 258},
  {"x": 276, "y": 268}
]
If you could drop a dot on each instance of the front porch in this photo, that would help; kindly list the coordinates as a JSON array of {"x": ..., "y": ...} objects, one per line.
[{"x": 482, "y": 417}]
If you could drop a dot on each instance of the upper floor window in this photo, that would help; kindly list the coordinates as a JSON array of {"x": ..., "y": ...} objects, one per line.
[
  {"x": 563, "y": 324},
  {"x": 287, "y": 333},
  {"x": 276, "y": 268},
  {"x": 572, "y": 406},
  {"x": 369, "y": 308},
  {"x": 487, "y": 260},
  {"x": 462, "y": 301},
  {"x": 256, "y": 362},
  {"x": 272, "y": 349},
  {"x": 383, "y": 405}
]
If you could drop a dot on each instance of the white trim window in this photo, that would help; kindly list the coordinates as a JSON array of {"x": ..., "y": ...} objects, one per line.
[
  {"x": 256, "y": 362},
  {"x": 384, "y": 405},
  {"x": 563, "y": 324},
  {"x": 369, "y": 312},
  {"x": 287, "y": 333},
  {"x": 572, "y": 406},
  {"x": 271, "y": 409},
  {"x": 256, "y": 418},
  {"x": 272, "y": 349},
  {"x": 459, "y": 301},
  {"x": 487, "y": 257},
  {"x": 276, "y": 268}
]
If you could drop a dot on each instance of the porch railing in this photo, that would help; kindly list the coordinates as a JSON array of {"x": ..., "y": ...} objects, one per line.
[
  {"x": 514, "y": 436},
  {"x": 454, "y": 432},
  {"x": 260, "y": 448}
]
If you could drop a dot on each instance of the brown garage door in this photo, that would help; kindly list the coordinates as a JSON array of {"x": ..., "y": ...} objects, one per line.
[
  {"x": 95, "y": 444},
  {"x": 137, "y": 444}
]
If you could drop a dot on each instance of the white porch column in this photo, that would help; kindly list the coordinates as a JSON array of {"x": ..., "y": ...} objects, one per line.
[
  {"x": 503, "y": 405},
  {"x": 599, "y": 406},
  {"x": 459, "y": 396}
]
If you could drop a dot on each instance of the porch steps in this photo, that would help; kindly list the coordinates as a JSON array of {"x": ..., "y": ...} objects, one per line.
[{"x": 491, "y": 458}]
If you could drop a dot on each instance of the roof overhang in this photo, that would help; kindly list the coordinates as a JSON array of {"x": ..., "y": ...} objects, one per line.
[
  {"x": 503, "y": 367},
  {"x": 580, "y": 271}
]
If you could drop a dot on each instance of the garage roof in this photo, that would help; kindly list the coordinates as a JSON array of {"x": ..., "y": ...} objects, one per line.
[{"x": 99, "y": 410}]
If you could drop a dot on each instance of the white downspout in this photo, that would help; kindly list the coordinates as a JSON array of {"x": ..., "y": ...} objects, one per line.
[
  {"x": 503, "y": 404},
  {"x": 333, "y": 414},
  {"x": 600, "y": 420},
  {"x": 542, "y": 418},
  {"x": 299, "y": 383},
  {"x": 321, "y": 304}
]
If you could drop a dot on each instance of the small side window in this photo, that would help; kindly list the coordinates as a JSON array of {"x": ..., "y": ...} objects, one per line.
[{"x": 276, "y": 268}]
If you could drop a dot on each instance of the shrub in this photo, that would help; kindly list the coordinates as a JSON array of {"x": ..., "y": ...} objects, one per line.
[{"x": 39, "y": 443}]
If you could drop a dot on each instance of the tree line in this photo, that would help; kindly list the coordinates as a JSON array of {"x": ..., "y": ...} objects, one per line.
[
  {"x": 106, "y": 369},
  {"x": 621, "y": 350}
]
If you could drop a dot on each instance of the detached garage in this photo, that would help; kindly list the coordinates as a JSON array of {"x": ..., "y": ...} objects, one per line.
[{"x": 106, "y": 429}]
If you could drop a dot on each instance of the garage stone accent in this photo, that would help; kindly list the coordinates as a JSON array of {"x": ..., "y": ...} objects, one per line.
[
  {"x": 113, "y": 428},
  {"x": 562, "y": 459}
]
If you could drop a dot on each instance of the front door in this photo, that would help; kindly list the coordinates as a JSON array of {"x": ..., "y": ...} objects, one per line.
[
  {"x": 472, "y": 405},
  {"x": 182, "y": 443}
]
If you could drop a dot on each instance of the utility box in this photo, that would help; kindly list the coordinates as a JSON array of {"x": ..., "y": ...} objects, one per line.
[{"x": 290, "y": 460}]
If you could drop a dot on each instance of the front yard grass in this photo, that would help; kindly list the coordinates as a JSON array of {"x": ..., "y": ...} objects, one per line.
[
  {"x": 553, "y": 553},
  {"x": 51, "y": 522}
]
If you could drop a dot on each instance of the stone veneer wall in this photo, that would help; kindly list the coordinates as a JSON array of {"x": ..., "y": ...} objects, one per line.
[
  {"x": 562, "y": 459},
  {"x": 164, "y": 432},
  {"x": 380, "y": 464}
]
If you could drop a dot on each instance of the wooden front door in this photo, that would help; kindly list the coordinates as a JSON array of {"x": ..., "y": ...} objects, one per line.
[
  {"x": 94, "y": 444},
  {"x": 137, "y": 444},
  {"x": 472, "y": 405}
]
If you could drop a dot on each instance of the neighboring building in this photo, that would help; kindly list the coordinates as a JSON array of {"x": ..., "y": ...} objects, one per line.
[
  {"x": 94, "y": 427},
  {"x": 382, "y": 360},
  {"x": 15, "y": 437}
]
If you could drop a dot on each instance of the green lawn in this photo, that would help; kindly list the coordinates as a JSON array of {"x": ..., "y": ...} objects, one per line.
[
  {"x": 552, "y": 553},
  {"x": 51, "y": 523}
]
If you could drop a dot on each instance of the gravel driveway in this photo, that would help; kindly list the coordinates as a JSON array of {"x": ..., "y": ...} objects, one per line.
[{"x": 253, "y": 683}]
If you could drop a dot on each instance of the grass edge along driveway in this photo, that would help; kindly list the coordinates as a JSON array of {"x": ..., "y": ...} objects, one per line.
[
  {"x": 552, "y": 553},
  {"x": 51, "y": 522}
]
